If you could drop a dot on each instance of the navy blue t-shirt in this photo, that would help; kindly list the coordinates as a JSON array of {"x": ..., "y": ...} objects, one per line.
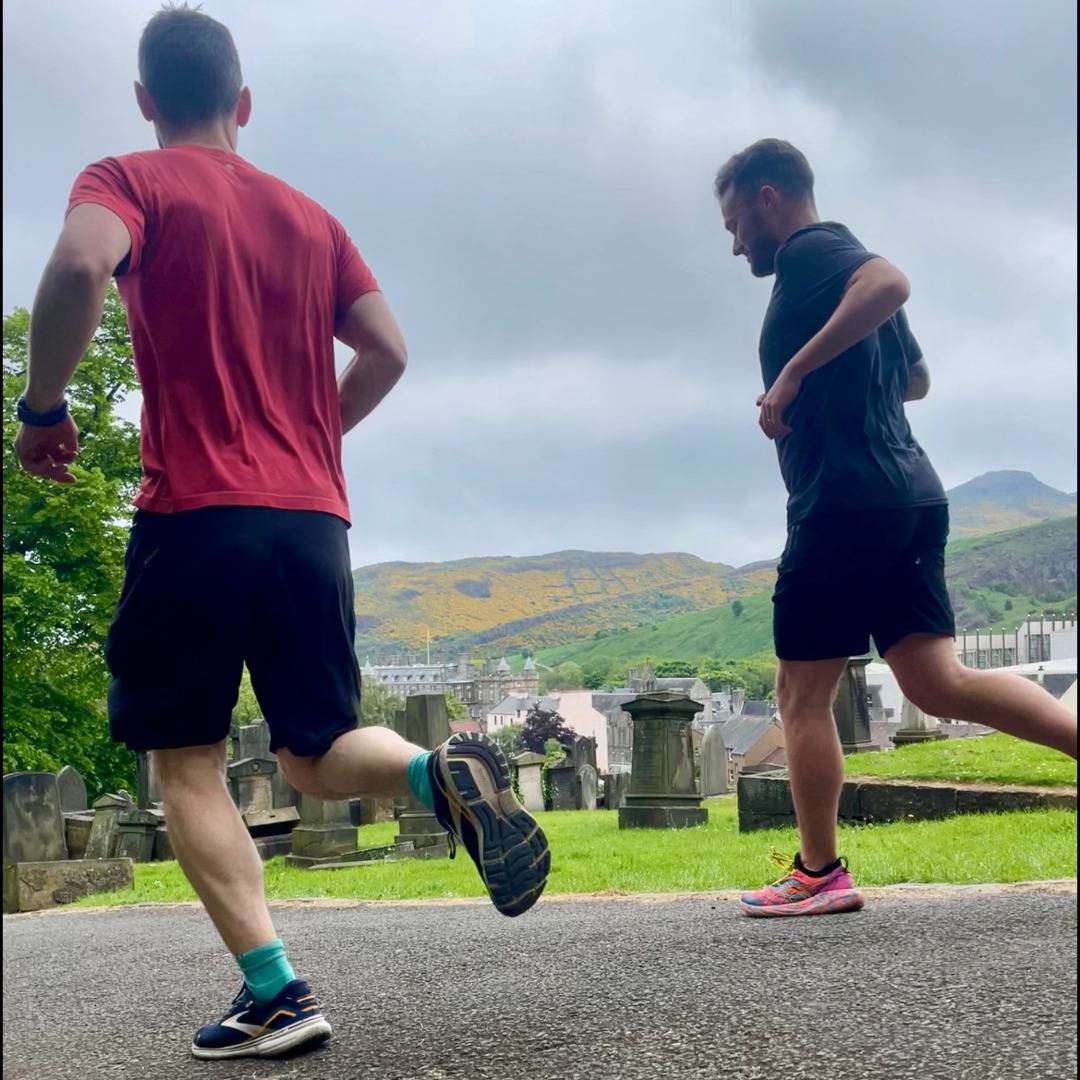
[{"x": 850, "y": 445}]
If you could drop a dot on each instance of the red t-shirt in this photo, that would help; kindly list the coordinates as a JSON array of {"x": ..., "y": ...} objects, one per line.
[{"x": 233, "y": 287}]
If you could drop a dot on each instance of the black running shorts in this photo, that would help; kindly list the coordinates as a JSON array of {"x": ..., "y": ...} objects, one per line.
[
  {"x": 206, "y": 591},
  {"x": 847, "y": 577}
]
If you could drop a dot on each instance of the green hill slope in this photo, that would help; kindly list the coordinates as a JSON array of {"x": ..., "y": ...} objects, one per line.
[{"x": 1007, "y": 499}]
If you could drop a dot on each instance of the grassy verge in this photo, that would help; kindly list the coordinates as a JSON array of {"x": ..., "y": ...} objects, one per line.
[
  {"x": 993, "y": 759},
  {"x": 591, "y": 854}
]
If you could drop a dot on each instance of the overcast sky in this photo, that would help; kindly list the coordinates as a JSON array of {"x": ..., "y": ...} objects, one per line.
[{"x": 532, "y": 185}]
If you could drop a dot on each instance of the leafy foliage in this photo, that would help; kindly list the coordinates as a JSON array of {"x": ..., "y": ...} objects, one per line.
[
  {"x": 63, "y": 566},
  {"x": 508, "y": 739},
  {"x": 542, "y": 725}
]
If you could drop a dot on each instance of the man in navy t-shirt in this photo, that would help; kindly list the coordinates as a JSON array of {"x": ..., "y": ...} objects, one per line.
[{"x": 867, "y": 515}]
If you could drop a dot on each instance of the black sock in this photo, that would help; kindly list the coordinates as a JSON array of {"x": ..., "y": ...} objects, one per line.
[{"x": 800, "y": 865}]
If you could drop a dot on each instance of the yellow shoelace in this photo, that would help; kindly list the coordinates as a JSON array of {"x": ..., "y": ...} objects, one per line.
[{"x": 785, "y": 862}]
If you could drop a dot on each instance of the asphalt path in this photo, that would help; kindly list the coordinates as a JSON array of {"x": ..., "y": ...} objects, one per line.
[{"x": 934, "y": 983}]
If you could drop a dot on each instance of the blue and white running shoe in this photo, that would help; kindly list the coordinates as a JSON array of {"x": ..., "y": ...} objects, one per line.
[{"x": 292, "y": 1020}]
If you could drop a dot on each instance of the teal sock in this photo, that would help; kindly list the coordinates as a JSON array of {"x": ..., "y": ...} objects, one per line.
[
  {"x": 416, "y": 773},
  {"x": 266, "y": 971}
]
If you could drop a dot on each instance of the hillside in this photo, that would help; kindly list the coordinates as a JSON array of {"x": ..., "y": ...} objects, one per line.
[
  {"x": 568, "y": 601},
  {"x": 509, "y": 604},
  {"x": 1005, "y": 500},
  {"x": 1032, "y": 569}
]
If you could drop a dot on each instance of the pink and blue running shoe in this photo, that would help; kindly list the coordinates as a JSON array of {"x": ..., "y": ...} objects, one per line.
[{"x": 800, "y": 893}]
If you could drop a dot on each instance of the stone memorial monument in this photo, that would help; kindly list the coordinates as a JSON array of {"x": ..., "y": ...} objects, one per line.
[
  {"x": 530, "y": 769},
  {"x": 663, "y": 791},
  {"x": 714, "y": 763},
  {"x": 916, "y": 726},
  {"x": 426, "y": 724},
  {"x": 851, "y": 708}
]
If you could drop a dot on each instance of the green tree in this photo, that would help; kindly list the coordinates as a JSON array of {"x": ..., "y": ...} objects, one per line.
[
  {"x": 380, "y": 707},
  {"x": 567, "y": 676},
  {"x": 737, "y": 608},
  {"x": 508, "y": 739},
  {"x": 595, "y": 673},
  {"x": 64, "y": 564},
  {"x": 674, "y": 669},
  {"x": 456, "y": 709}
]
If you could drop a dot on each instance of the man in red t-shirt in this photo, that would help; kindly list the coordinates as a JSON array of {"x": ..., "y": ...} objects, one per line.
[{"x": 235, "y": 287}]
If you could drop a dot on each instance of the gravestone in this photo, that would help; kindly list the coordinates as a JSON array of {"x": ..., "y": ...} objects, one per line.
[
  {"x": 564, "y": 786},
  {"x": 105, "y": 831},
  {"x": 37, "y": 871},
  {"x": 714, "y": 763},
  {"x": 616, "y": 786},
  {"x": 77, "y": 833},
  {"x": 530, "y": 769},
  {"x": 587, "y": 788},
  {"x": 135, "y": 834},
  {"x": 33, "y": 823},
  {"x": 851, "y": 708},
  {"x": 143, "y": 770},
  {"x": 253, "y": 740},
  {"x": 663, "y": 792},
  {"x": 251, "y": 782},
  {"x": 72, "y": 791},
  {"x": 324, "y": 834},
  {"x": 916, "y": 726},
  {"x": 426, "y": 724}
]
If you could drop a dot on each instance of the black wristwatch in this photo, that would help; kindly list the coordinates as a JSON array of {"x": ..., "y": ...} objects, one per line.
[{"x": 41, "y": 419}]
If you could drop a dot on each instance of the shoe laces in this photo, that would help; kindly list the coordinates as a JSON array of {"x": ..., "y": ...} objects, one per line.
[{"x": 785, "y": 862}]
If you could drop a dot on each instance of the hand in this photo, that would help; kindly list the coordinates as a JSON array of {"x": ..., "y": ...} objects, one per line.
[
  {"x": 48, "y": 451},
  {"x": 775, "y": 403}
]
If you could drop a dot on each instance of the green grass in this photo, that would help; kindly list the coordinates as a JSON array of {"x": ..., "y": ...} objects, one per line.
[
  {"x": 993, "y": 759},
  {"x": 591, "y": 854},
  {"x": 713, "y": 632}
]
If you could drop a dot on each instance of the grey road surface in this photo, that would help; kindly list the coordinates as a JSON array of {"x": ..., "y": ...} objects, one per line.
[{"x": 948, "y": 984}]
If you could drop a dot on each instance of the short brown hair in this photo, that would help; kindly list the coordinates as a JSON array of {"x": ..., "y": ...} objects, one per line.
[
  {"x": 768, "y": 161},
  {"x": 189, "y": 65}
]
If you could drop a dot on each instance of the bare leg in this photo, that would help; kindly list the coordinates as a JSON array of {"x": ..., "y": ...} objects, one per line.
[
  {"x": 368, "y": 761},
  {"x": 212, "y": 844},
  {"x": 805, "y": 692},
  {"x": 931, "y": 675}
]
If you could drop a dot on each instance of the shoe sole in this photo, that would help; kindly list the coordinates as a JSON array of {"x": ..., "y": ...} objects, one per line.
[
  {"x": 832, "y": 903},
  {"x": 314, "y": 1031},
  {"x": 514, "y": 856}
]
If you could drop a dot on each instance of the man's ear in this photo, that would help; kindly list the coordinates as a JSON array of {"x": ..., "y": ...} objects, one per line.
[
  {"x": 769, "y": 196},
  {"x": 243, "y": 108},
  {"x": 146, "y": 103}
]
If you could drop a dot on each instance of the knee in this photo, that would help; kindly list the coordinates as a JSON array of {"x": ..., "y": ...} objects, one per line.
[
  {"x": 189, "y": 767},
  {"x": 795, "y": 703}
]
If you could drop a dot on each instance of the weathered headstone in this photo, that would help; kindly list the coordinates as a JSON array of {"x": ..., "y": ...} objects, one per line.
[
  {"x": 587, "y": 788},
  {"x": 251, "y": 781},
  {"x": 663, "y": 791},
  {"x": 33, "y": 823},
  {"x": 714, "y": 763},
  {"x": 77, "y": 833},
  {"x": 616, "y": 786},
  {"x": 135, "y": 833},
  {"x": 563, "y": 777},
  {"x": 851, "y": 708},
  {"x": 72, "y": 791},
  {"x": 253, "y": 740},
  {"x": 324, "y": 834},
  {"x": 916, "y": 726},
  {"x": 530, "y": 769},
  {"x": 105, "y": 832},
  {"x": 426, "y": 724},
  {"x": 142, "y": 780}
]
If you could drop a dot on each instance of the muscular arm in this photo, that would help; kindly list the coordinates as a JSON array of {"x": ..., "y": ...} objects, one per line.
[
  {"x": 69, "y": 301},
  {"x": 918, "y": 381},
  {"x": 379, "y": 361}
]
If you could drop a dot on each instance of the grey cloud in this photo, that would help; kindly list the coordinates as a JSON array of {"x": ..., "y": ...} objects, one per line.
[{"x": 532, "y": 186}]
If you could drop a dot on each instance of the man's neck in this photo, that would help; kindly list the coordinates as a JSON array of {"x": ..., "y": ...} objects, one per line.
[
  {"x": 799, "y": 218},
  {"x": 213, "y": 138}
]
